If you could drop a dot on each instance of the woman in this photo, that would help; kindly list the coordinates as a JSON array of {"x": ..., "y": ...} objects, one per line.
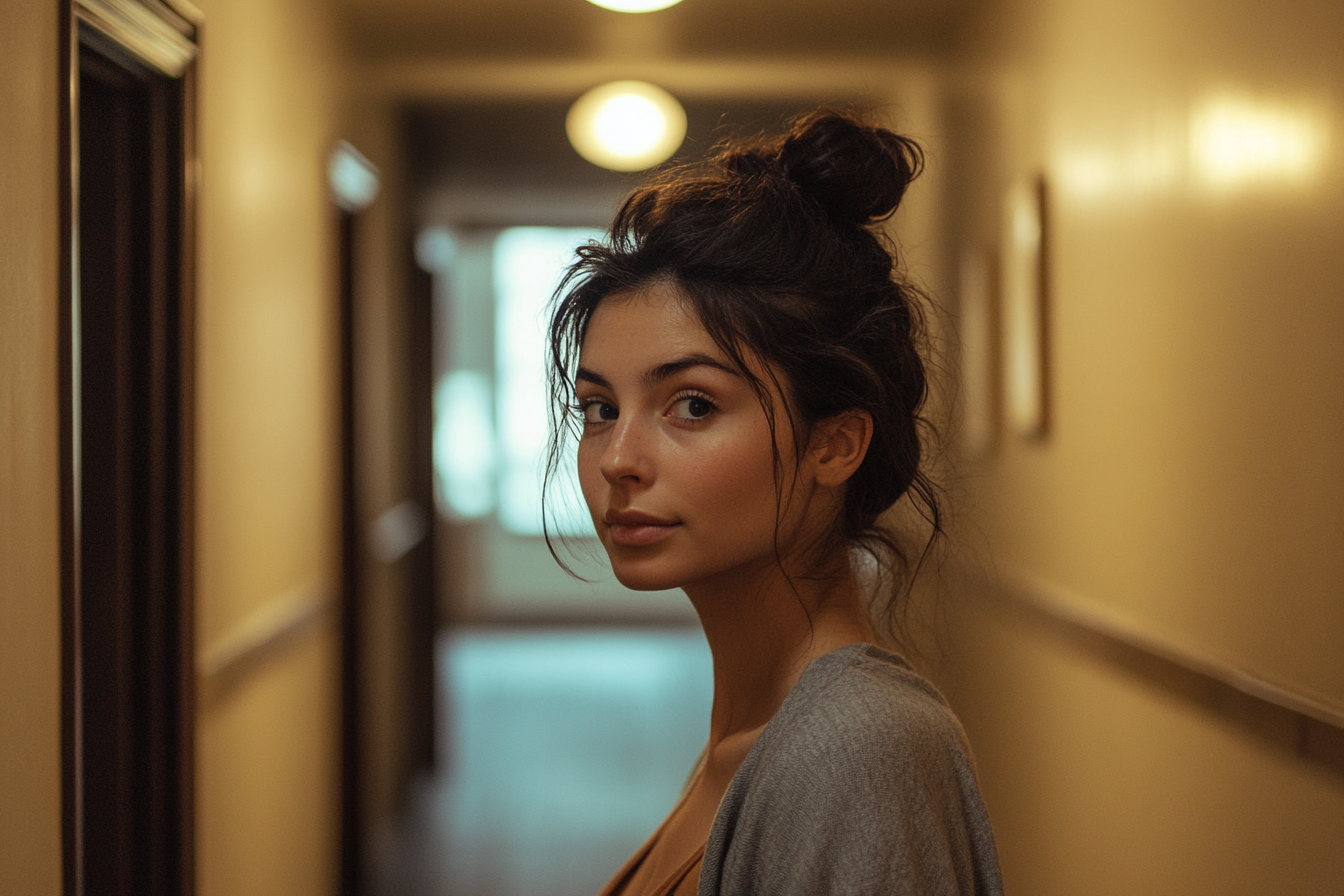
[{"x": 744, "y": 374}]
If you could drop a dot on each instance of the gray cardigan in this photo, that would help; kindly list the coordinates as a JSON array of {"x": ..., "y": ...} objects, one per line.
[{"x": 861, "y": 784}]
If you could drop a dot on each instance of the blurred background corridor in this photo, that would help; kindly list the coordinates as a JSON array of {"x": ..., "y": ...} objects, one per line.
[
  {"x": 373, "y": 677},
  {"x": 561, "y": 751}
]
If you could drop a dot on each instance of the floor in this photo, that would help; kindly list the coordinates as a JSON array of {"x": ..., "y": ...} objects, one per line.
[{"x": 561, "y": 750}]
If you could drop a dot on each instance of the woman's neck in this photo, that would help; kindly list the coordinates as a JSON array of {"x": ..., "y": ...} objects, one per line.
[{"x": 764, "y": 630}]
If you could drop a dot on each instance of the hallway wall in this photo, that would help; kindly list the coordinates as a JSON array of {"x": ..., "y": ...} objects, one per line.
[
  {"x": 269, "y": 103},
  {"x": 30, "y": 670},
  {"x": 1191, "y": 482},
  {"x": 271, "y": 86}
]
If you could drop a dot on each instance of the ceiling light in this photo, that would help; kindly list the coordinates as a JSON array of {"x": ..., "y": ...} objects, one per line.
[
  {"x": 634, "y": 5},
  {"x": 626, "y": 125}
]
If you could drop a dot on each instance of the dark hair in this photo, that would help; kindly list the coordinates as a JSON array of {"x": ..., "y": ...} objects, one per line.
[{"x": 771, "y": 243}]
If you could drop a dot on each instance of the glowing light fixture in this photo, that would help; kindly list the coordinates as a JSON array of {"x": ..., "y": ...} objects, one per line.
[
  {"x": 626, "y": 125},
  {"x": 1234, "y": 141},
  {"x": 634, "y": 5}
]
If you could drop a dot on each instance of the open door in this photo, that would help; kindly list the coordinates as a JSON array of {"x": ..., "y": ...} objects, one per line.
[{"x": 128, "y": 704}]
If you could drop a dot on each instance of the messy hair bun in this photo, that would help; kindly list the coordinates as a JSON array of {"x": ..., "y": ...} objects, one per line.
[
  {"x": 771, "y": 243},
  {"x": 858, "y": 173}
]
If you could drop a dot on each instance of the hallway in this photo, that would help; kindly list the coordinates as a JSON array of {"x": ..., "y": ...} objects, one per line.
[
  {"x": 560, "y": 751},
  {"x": 1129, "y": 230}
]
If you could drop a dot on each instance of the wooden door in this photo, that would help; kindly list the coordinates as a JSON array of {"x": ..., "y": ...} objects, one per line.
[{"x": 128, "y": 699}]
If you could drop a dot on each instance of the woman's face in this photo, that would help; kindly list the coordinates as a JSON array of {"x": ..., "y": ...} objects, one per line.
[{"x": 675, "y": 459}]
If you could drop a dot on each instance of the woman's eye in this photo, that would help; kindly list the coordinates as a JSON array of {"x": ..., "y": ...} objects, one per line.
[
  {"x": 599, "y": 412},
  {"x": 693, "y": 408}
]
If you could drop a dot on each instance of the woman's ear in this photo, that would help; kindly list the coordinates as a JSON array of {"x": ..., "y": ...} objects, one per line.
[{"x": 839, "y": 445}]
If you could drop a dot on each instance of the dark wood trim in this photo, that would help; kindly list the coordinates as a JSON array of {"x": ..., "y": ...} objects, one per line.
[
  {"x": 127, "y": 514},
  {"x": 419, "y": 562},
  {"x": 352, "y": 779},
  {"x": 186, "y": 471},
  {"x": 1295, "y": 723},
  {"x": 72, "y": 815}
]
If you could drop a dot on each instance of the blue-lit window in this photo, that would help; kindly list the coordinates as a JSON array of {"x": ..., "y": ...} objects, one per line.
[{"x": 490, "y": 436}]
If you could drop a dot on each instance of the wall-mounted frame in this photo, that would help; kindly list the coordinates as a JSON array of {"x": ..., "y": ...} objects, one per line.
[
  {"x": 1025, "y": 309},
  {"x": 127, "y": 391},
  {"x": 978, "y": 337}
]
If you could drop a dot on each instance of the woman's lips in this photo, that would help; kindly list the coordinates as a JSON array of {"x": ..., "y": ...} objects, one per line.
[{"x": 631, "y": 529}]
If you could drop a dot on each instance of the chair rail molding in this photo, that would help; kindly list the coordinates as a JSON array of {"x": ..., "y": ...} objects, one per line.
[
  {"x": 1309, "y": 726},
  {"x": 259, "y": 638}
]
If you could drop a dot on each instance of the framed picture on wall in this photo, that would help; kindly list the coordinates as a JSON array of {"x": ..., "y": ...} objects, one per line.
[
  {"x": 1025, "y": 324},
  {"x": 978, "y": 338}
]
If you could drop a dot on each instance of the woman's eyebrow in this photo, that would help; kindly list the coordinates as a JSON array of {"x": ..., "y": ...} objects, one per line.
[
  {"x": 657, "y": 374},
  {"x": 583, "y": 373},
  {"x": 662, "y": 372}
]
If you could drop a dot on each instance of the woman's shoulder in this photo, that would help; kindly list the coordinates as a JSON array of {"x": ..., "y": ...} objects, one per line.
[
  {"x": 863, "y": 775},
  {"x": 870, "y": 705}
]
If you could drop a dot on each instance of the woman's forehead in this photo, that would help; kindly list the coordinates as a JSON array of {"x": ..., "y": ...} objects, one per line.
[
  {"x": 655, "y": 319},
  {"x": 632, "y": 333}
]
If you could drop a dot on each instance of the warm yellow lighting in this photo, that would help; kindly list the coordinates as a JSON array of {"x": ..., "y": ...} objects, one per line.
[
  {"x": 1234, "y": 141},
  {"x": 1226, "y": 143},
  {"x": 626, "y": 125},
  {"x": 1088, "y": 175},
  {"x": 634, "y": 5},
  {"x": 1135, "y": 158}
]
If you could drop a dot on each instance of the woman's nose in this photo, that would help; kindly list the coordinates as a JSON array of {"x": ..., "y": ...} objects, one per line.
[{"x": 626, "y": 459}]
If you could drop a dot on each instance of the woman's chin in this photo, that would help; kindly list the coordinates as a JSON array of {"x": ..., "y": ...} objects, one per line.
[
  {"x": 645, "y": 583},
  {"x": 636, "y": 579}
]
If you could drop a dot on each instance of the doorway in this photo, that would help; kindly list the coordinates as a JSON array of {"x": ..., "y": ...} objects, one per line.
[{"x": 128, "y": 699}]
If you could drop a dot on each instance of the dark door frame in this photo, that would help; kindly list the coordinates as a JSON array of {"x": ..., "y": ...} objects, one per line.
[
  {"x": 412, "y": 591},
  {"x": 127, "y": 158},
  {"x": 352, "y": 820}
]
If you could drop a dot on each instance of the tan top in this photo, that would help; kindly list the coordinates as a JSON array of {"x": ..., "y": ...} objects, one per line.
[{"x": 683, "y": 881}]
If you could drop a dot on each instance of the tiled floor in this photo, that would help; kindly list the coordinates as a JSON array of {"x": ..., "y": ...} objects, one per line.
[{"x": 562, "y": 750}]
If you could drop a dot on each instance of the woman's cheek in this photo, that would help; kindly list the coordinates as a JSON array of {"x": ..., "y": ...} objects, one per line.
[
  {"x": 735, "y": 482},
  {"x": 590, "y": 479}
]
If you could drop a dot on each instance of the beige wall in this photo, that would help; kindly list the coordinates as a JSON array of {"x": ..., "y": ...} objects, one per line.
[
  {"x": 30, "y": 845},
  {"x": 270, "y": 96},
  {"x": 265, "y": 444},
  {"x": 271, "y": 79},
  {"x": 1192, "y": 483}
]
